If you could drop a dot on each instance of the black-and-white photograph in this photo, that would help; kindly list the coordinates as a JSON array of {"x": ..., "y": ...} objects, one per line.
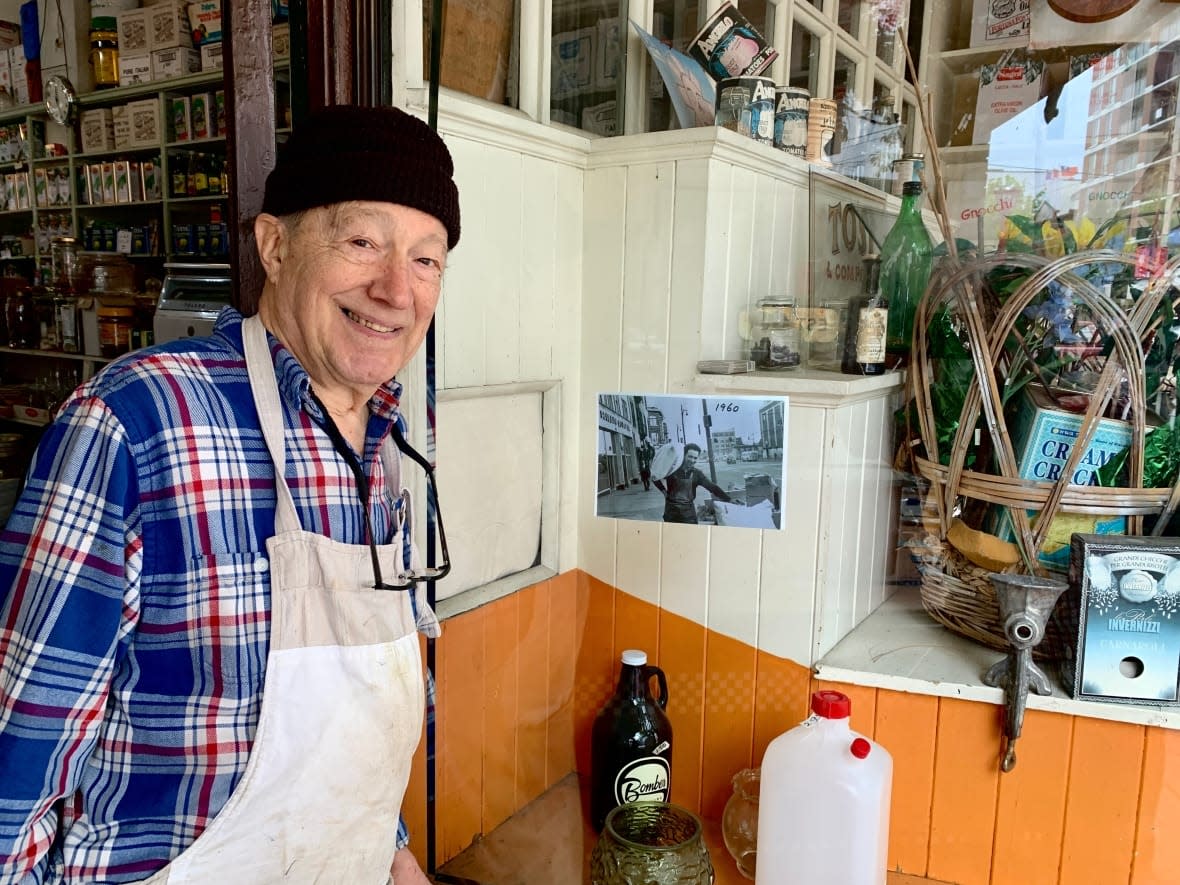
[{"x": 701, "y": 460}]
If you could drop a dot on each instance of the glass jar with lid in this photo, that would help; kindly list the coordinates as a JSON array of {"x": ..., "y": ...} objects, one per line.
[
  {"x": 104, "y": 51},
  {"x": 66, "y": 270},
  {"x": 775, "y": 335},
  {"x": 116, "y": 326}
]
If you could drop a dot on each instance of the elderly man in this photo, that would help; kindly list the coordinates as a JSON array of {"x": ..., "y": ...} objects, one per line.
[{"x": 209, "y": 667}]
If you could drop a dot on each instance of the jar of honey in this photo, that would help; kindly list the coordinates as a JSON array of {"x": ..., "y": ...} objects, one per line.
[
  {"x": 116, "y": 326},
  {"x": 104, "y": 52}
]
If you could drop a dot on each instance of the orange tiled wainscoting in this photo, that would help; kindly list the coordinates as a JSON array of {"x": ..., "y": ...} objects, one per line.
[{"x": 1091, "y": 802}]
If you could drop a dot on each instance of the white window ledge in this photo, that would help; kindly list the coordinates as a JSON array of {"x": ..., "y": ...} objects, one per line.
[{"x": 900, "y": 647}]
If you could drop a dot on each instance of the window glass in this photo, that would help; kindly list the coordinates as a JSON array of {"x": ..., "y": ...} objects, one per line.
[
  {"x": 848, "y": 16},
  {"x": 844, "y": 80},
  {"x": 888, "y": 15},
  {"x": 761, "y": 16},
  {"x": 586, "y": 72},
  {"x": 675, "y": 23},
  {"x": 804, "y": 66},
  {"x": 479, "y": 55}
]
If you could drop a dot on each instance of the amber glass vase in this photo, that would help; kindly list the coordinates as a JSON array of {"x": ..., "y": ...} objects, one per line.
[{"x": 651, "y": 843}]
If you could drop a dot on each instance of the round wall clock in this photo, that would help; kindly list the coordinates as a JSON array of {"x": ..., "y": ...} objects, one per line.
[{"x": 61, "y": 101}]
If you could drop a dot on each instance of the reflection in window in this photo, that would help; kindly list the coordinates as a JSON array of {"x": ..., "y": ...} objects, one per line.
[
  {"x": 844, "y": 79},
  {"x": 761, "y": 16},
  {"x": 586, "y": 78},
  {"x": 478, "y": 49},
  {"x": 909, "y": 120},
  {"x": 675, "y": 23},
  {"x": 804, "y": 66},
  {"x": 889, "y": 16},
  {"x": 848, "y": 16}
]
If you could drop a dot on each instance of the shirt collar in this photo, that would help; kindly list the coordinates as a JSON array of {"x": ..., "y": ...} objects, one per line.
[{"x": 294, "y": 382}]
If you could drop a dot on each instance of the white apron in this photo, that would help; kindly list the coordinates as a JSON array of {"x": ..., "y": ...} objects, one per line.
[{"x": 342, "y": 703}]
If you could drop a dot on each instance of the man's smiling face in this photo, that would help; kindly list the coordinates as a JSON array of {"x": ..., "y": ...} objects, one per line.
[{"x": 351, "y": 289}]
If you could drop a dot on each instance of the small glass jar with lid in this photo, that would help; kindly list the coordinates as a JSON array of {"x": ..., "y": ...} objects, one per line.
[
  {"x": 775, "y": 335},
  {"x": 116, "y": 326},
  {"x": 104, "y": 52}
]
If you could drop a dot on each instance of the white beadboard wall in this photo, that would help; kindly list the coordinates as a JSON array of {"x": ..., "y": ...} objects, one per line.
[{"x": 616, "y": 264}]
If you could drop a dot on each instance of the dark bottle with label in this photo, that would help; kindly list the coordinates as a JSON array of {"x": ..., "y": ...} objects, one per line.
[
  {"x": 906, "y": 256},
  {"x": 631, "y": 745},
  {"x": 867, "y": 325}
]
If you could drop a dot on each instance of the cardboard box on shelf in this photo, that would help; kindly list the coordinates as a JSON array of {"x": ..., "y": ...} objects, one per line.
[
  {"x": 478, "y": 44},
  {"x": 122, "y": 181},
  {"x": 219, "y": 112},
  {"x": 999, "y": 21},
  {"x": 98, "y": 131},
  {"x": 181, "y": 118},
  {"x": 168, "y": 25},
  {"x": 9, "y": 34},
  {"x": 132, "y": 28},
  {"x": 60, "y": 187},
  {"x": 19, "y": 73},
  {"x": 145, "y": 122},
  {"x": 149, "y": 173},
  {"x": 41, "y": 188},
  {"x": 121, "y": 123},
  {"x": 280, "y": 37},
  {"x": 135, "y": 68},
  {"x": 175, "y": 62},
  {"x": 211, "y": 56},
  {"x": 108, "y": 181},
  {"x": 94, "y": 184},
  {"x": 204, "y": 17},
  {"x": 202, "y": 115},
  {"x": 1008, "y": 87}
]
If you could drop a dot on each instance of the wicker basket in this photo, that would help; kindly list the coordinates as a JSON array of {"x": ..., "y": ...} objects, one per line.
[{"x": 955, "y": 591}]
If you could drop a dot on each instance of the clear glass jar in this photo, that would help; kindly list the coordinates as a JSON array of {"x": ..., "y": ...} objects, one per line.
[
  {"x": 651, "y": 842},
  {"x": 104, "y": 52},
  {"x": 775, "y": 335},
  {"x": 116, "y": 326},
  {"x": 65, "y": 267},
  {"x": 739, "y": 820}
]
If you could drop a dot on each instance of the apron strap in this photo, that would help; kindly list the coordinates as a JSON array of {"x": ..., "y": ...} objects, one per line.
[{"x": 265, "y": 389}]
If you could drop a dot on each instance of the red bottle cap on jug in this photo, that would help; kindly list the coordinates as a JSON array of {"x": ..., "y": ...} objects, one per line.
[{"x": 831, "y": 704}]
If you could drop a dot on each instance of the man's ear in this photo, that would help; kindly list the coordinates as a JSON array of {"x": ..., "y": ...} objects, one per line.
[{"x": 272, "y": 236}]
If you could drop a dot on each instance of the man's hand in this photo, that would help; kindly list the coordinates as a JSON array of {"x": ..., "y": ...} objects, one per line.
[{"x": 405, "y": 869}]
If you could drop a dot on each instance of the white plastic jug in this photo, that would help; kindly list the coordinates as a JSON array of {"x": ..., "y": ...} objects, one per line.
[{"x": 823, "y": 813}]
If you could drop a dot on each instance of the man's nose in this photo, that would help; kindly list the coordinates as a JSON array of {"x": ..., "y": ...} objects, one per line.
[{"x": 392, "y": 282}]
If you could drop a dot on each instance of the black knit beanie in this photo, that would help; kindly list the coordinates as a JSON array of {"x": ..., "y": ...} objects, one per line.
[{"x": 345, "y": 152}]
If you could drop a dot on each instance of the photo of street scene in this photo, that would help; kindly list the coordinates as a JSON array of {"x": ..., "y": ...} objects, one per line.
[{"x": 703, "y": 460}]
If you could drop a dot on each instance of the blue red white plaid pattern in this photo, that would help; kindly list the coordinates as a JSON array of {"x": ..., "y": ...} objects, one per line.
[{"x": 134, "y": 620}]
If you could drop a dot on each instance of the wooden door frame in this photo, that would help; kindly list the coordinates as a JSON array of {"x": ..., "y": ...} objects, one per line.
[{"x": 338, "y": 48}]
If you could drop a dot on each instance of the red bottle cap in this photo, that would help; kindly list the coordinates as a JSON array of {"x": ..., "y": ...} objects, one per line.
[
  {"x": 831, "y": 704},
  {"x": 861, "y": 748}
]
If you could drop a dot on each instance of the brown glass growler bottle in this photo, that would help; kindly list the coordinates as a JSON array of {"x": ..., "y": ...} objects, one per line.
[{"x": 631, "y": 744}]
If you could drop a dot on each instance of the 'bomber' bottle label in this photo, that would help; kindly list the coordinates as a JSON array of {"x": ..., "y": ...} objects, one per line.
[{"x": 643, "y": 780}]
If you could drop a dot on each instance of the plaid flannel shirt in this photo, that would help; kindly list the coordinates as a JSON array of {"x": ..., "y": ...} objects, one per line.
[{"x": 135, "y": 606}]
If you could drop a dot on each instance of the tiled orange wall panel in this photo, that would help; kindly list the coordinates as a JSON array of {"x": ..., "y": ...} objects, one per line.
[
  {"x": 681, "y": 655},
  {"x": 1090, "y": 802},
  {"x": 730, "y": 667},
  {"x": 1030, "y": 813},
  {"x": 531, "y": 637},
  {"x": 460, "y": 732},
  {"x": 909, "y": 721},
  {"x": 966, "y": 776},
  {"x": 564, "y": 631},
  {"x": 1157, "y": 848},
  {"x": 507, "y": 698},
  {"x": 1106, "y": 766}
]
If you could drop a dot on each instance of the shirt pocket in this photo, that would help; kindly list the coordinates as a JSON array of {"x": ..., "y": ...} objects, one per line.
[{"x": 229, "y": 601}]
